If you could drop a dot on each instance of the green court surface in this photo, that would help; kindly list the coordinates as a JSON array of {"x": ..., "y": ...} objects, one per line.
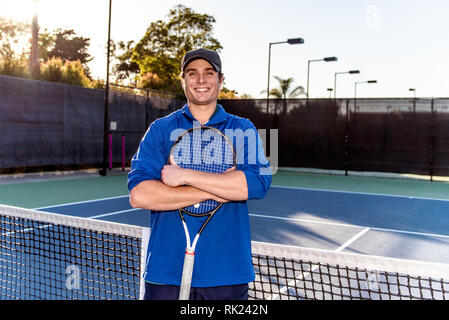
[
  {"x": 387, "y": 186},
  {"x": 34, "y": 190},
  {"x": 41, "y": 193}
]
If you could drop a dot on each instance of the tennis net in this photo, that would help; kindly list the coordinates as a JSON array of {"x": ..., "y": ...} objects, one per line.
[{"x": 52, "y": 256}]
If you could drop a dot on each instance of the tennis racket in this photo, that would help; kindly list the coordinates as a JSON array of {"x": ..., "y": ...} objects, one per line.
[{"x": 203, "y": 149}]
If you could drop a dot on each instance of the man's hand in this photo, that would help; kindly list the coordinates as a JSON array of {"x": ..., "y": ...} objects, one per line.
[
  {"x": 227, "y": 186},
  {"x": 172, "y": 175}
]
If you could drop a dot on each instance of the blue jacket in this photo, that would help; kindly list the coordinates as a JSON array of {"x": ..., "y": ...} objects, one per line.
[{"x": 223, "y": 252}]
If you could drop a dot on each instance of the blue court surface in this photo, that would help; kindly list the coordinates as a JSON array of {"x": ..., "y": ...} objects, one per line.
[{"x": 382, "y": 225}]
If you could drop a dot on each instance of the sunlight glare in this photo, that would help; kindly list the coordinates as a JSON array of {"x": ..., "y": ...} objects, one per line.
[{"x": 20, "y": 10}]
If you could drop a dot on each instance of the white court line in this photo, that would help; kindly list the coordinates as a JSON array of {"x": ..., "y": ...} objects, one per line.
[
  {"x": 353, "y": 239},
  {"x": 91, "y": 201},
  {"x": 361, "y": 193},
  {"x": 350, "y": 226},
  {"x": 113, "y": 213},
  {"x": 80, "y": 202}
]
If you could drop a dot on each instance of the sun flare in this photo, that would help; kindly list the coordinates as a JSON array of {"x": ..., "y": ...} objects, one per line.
[{"x": 20, "y": 10}]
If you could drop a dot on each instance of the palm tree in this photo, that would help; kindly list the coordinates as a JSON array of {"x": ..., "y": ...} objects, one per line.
[{"x": 284, "y": 91}]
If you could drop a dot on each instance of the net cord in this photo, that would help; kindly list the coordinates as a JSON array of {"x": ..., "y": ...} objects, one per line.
[
  {"x": 402, "y": 266},
  {"x": 75, "y": 221}
]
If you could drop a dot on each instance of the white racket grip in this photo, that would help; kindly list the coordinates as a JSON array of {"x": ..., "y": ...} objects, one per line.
[{"x": 187, "y": 271}]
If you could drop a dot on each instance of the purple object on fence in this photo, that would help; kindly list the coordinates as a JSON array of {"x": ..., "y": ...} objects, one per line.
[
  {"x": 123, "y": 152},
  {"x": 110, "y": 151}
]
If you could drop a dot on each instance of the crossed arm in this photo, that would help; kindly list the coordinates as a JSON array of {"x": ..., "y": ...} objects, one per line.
[{"x": 180, "y": 188}]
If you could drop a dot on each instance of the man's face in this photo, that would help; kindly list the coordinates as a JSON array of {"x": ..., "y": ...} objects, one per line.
[{"x": 201, "y": 83}]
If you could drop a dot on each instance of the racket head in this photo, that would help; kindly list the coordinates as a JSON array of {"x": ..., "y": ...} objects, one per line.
[{"x": 204, "y": 149}]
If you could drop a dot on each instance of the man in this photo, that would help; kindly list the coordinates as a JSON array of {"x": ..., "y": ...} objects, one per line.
[{"x": 223, "y": 263}]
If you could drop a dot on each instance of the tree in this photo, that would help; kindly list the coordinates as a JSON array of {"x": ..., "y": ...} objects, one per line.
[
  {"x": 46, "y": 43},
  {"x": 125, "y": 69},
  {"x": 285, "y": 91},
  {"x": 70, "y": 72},
  {"x": 161, "y": 49},
  {"x": 12, "y": 62},
  {"x": 225, "y": 93},
  {"x": 69, "y": 47}
]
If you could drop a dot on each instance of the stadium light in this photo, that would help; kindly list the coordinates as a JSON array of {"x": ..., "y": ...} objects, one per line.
[
  {"x": 289, "y": 41},
  {"x": 326, "y": 59},
  {"x": 295, "y": 41},
  {"x": 335, "y": 79}
]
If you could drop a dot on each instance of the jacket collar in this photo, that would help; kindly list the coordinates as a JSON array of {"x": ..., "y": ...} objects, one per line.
[{"x": 219, "y": 115}]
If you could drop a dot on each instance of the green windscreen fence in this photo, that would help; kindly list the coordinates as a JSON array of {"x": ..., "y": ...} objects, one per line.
[
  {"x": 398, "y": 135},
  {"x": 46, "y": 125}
]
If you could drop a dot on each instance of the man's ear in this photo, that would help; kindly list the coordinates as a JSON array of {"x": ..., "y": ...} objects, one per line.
[{"x": 183, "y": 82}]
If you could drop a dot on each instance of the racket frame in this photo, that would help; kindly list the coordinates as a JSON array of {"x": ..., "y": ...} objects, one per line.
[{"x": 189, "y": 257}]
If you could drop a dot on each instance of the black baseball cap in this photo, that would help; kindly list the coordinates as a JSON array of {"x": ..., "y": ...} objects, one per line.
[{"x": 210, "y": 56}]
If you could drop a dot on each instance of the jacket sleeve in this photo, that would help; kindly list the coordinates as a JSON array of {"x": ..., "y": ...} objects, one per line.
[
  {"x": 150, "y": 157},
  {"x": 252, "y": 161}
]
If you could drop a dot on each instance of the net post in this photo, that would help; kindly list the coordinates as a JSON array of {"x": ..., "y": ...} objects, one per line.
[{"x": 143, "y": 260}]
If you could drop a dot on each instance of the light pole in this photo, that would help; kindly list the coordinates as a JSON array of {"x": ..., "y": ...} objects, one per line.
[
  {"x": 330, "y": 92},
  {"x": 335, "y": 79},
  {"x": 103, "y": 171},
  {"x": 289, "y": 41},
  {"x": 414, "y": 98},
  {"x": 355, "y": 90},
  {"x": 327, "y": 59},
  {"x": 34, "y": 52}
]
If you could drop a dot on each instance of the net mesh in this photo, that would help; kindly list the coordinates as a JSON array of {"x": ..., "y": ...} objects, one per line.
[
  {"x": 48, "y": 256},
  {"x": 51, "y": 256},
  {"x": 293, "y": 273}
]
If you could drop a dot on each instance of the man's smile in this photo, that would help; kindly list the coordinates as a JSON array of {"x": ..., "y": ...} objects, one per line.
[{"x": 202, "y": 89}]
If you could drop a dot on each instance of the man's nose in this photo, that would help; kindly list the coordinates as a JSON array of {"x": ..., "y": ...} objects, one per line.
[{"x": 201, "y": 78}]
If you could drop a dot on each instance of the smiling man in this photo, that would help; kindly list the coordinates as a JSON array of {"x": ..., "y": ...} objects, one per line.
[{"x": 223, "y": 266}]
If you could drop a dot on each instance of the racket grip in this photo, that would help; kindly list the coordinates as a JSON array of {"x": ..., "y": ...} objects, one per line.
[{"x": 187, "y": 271}]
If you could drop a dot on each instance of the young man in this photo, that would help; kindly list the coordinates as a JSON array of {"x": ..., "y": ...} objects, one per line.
[{"x": 223, "y": 264}]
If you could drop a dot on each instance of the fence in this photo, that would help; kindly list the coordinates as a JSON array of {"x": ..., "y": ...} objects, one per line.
[
  {"x": 47, "y": 125},
  {"x": 385, "y": 135}
]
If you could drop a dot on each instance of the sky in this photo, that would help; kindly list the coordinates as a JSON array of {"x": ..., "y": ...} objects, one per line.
[{"x": 400, "y": 43}]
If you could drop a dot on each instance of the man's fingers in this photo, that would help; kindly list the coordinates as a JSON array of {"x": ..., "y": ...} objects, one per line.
[{"x": 172, "y": 161}]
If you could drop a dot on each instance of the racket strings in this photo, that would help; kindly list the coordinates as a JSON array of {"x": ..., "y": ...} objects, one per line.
[{"x": 203, "y": 149}]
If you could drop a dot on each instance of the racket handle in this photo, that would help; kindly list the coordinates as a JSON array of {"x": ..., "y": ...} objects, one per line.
[{"x": 187, "y": 272}]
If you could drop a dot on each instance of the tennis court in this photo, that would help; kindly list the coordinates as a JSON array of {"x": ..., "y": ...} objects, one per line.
[{"x": 343, "y": 219}]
